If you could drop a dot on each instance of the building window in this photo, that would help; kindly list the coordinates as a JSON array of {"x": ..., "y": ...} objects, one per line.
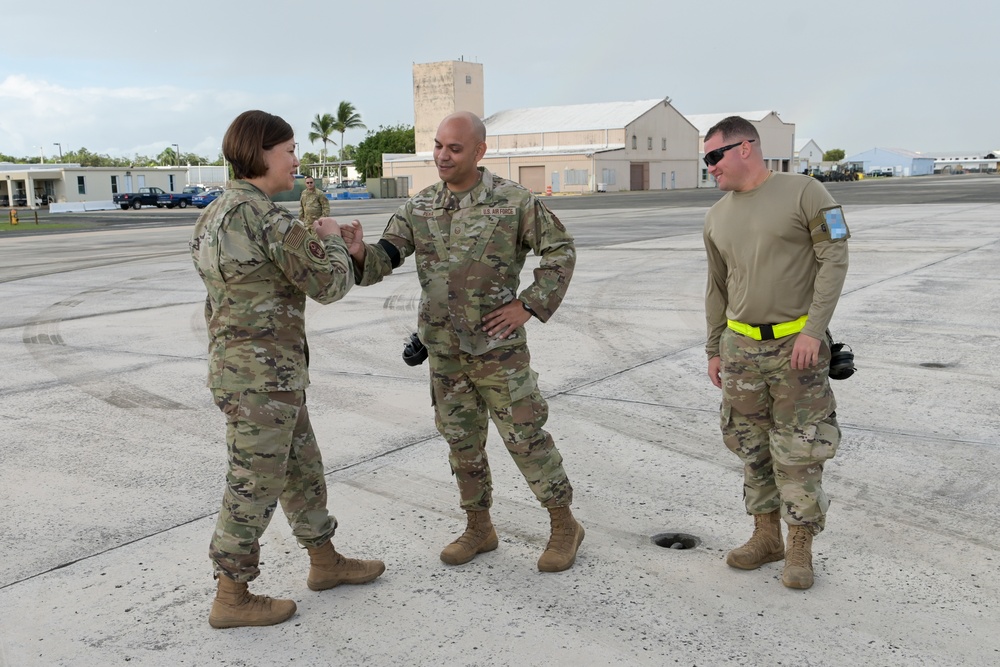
[
  {"x": 114, "y": 185},
  {"x": 649, "y": 143},
  {"x": 171, "y": 178},
  {"x": 663, "y": 146},
  {"x": 634, "y": 144},
  {"x": 577, "y": 177},
  {"x": 608, "y": 176},
  {"x": 80, "y": 186},
  {"x": 468, "y": 78}
]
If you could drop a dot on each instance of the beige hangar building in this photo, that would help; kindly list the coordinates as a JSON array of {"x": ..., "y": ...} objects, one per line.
[
  {"x": 614, "y": 146},
  {"x": 777, "y": 139}
]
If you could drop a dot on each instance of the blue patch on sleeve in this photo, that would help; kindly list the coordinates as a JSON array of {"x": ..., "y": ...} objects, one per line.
[{"x": 835, "y": 221}]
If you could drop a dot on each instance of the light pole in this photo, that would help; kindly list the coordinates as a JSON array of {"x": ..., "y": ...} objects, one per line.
[
  {"x": 177, "y": 152},
  {"x": 41, "y": 150},
  {"x": 60, "y": 149}
]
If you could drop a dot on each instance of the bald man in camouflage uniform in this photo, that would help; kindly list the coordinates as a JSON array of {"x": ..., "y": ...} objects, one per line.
[
  {"x": 470, "y": 235},
  {"x": 259, "y": 264},
  {"x": 313, "y": 203}
]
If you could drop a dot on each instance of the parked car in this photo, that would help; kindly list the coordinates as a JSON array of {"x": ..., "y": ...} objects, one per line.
[
  {"x": 344, "y": 185},
  {"x": 144, "y": 197},
  {"x": 203, "y": 199},
  {"x": 180, "y": 199}
]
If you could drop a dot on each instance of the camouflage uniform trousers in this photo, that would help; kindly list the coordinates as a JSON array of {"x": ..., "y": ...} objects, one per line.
[
  {"x": 273, "y": 456},
  {"x": 782, "y": 423},
  {"x": 467, "y": 390}
]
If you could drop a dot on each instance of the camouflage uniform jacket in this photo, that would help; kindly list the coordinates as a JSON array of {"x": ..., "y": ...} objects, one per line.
[
  {"x": 469, "y": 256},
  {"x": 314, "y": 205},
  {"x": 258, "y": 264}
]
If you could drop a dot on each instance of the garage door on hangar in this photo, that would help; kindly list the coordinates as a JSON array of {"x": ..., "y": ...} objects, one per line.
[{"x": 532, "y": 178}]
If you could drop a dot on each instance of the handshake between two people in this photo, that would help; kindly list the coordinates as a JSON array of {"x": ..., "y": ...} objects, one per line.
[
  {"x": 500, "y": 323},
  {"x": 351, "y": 232}
]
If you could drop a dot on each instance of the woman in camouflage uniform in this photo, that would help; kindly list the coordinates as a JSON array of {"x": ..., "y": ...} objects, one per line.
[{"x": 258, "y": 264}]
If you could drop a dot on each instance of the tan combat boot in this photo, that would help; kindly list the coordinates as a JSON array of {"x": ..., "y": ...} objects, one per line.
[
  {"x": 764, "y": 546},
  {"x": 327, "y": 569},
  {"x": 567, "y": 534},
  {"x": 479, "y": 537},
  {"x": 798, "y": 558},
  {"x": 235, "y": 607}
]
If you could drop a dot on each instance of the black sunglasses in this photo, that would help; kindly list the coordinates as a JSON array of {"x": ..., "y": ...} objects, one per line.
[{"x": 712, "y": 158}]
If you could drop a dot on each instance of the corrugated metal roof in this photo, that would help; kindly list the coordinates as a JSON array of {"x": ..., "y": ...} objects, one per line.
[
  {"x": 569, "y": 118},
  {"x": 977, "y": 154},
  {"x": 705, "y": 121},
  {"x": 906, "y": 153},
  {"x": 902, "y": 152}
]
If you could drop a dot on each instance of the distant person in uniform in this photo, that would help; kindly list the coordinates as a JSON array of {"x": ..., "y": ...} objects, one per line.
[
  {"x": 470, "y": 234},
  {"x": 259, "y": 264},
  {"x": 777, "y": 260},
  {"x": 313, "y": 202}
]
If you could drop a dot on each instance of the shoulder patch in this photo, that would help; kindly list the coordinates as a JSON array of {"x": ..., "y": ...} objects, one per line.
[
  {"x": 316, "y": 249},
  {"x": 829, "y": 225},
  {"x": 295, "y": 237},
  {"x": 835, "y": 221}
]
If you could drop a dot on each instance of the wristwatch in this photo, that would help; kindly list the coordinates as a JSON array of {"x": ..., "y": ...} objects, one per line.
[{"x": 528, "y": 308}]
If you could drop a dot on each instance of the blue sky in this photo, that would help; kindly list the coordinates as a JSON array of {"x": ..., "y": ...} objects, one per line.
[{"x": 850, "y": 74}]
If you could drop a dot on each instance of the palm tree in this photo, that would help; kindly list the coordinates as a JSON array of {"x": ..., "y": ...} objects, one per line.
[
  {"x": 347, "y": 119},
  {"x": 322, "y": 127},
  {"x": 168, "y": 156}
]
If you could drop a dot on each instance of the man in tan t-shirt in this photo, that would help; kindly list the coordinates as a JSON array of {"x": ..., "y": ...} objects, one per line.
[{"x": 777, "y": 259}]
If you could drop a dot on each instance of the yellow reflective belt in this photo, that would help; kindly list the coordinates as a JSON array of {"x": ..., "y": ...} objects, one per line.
[{"x": 768, "y": 331}]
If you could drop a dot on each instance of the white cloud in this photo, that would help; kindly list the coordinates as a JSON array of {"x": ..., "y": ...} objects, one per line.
[{"x": 116, "y": 121}]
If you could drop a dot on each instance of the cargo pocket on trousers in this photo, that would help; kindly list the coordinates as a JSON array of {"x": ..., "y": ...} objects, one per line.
[
  {"x": 264, "y": 431},
  {"x": 725, "y": 415},
  {"x": 825, "y": 441},
  {"x": 522, "y": 387},
  {"x": 816, "y": 431},
  {"x": 725, "y": 425}
]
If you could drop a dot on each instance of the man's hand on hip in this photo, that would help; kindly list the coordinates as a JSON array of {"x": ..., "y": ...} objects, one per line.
[{"x": 505, "y": 320}]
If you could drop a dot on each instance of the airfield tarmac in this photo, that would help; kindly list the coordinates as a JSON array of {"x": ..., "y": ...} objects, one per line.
[{"x": 112, "y": 464}]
